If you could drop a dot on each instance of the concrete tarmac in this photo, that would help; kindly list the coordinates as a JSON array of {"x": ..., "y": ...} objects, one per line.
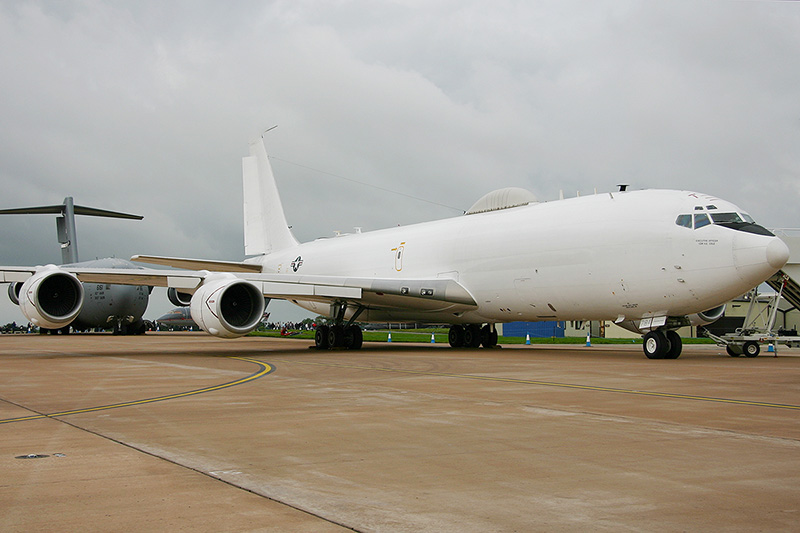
[{"x": 185, "y": 432}]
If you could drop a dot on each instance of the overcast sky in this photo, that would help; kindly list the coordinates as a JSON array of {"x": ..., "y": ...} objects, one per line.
[{"x": 147, "y": 107}]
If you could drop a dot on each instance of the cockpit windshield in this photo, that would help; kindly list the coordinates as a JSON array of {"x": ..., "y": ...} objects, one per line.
[
  {"x": 732, "y": 220},
  {"x": 721, "y": 218}
]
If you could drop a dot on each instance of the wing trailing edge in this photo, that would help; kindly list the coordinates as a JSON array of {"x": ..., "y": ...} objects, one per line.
[{"x": 197, "y": 264}]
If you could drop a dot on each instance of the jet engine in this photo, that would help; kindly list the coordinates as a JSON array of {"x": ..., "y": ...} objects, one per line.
[
  {"x": 51, "y": 298},
  {"x": 13, "y": 292},
  {"x": 707, "y": 317},
  {"x": 227, "y": 307},
  {"x": 179, "y": 299}
]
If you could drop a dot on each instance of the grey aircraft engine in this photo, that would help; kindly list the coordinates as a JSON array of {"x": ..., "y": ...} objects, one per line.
[
  {"x": 179, "y": 299},
  {"x": 707, "y": 317}
]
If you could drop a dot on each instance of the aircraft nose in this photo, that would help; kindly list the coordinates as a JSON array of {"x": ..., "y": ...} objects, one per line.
[
  {"x": 777, "y": 253},
  {"x": 757, "y": 256}
]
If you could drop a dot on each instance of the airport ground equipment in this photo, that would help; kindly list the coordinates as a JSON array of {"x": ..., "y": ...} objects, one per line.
[
  {"x": 759, "y": 326},
  {"x": 758, "y": 329}
]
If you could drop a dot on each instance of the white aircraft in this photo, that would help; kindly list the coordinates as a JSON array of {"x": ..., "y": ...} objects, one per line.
[{"x": 651, "y": 261}]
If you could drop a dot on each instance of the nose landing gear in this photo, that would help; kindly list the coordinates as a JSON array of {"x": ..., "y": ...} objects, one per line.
[{"x": 661, "y": 344}]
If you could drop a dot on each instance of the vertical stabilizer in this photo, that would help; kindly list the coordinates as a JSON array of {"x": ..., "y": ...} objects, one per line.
[
  {"x": 265, "y": 227},
  {"x": 65, "y": 223}
]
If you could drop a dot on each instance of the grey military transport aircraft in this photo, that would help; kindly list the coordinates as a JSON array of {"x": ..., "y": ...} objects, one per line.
[{"x": 105, "y": 305}]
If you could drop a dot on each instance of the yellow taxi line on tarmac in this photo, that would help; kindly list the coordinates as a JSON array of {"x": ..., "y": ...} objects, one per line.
[
  {"x": 264, "y": 369},
  {"x": 555, "y": 384}
]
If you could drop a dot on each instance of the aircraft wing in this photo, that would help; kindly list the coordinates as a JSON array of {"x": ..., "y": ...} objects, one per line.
[
  {"x": 12, "y": 274},
  {"x": 198, "y": 264},
  {"x": 186, "y": 279},
  {"x": 422, "y": 294}
]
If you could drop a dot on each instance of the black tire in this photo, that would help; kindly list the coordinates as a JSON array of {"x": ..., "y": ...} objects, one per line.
[
  {"x": 488, "y": 336},
  {"x": 675, "y": 345},
  {"x": 321, "y": 338},
  {"x": 655, "y": 345},
  {"x": 335, "y": 337},
  {"x": 732, "y": 351},
  {"x": 472, "y": 336},
  {"x": 751, "y": 349},
  {"x": 456, "y": 336},
  {"x": 353, "y": 338}
]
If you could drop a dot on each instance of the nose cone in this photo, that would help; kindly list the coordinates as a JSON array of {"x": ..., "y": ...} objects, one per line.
[
  {"x": 757, "y": 257},
  {"x": 777, "y": 253}
]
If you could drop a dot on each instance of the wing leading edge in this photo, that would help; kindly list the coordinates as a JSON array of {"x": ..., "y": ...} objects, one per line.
[{"x": 421, "y": 294}]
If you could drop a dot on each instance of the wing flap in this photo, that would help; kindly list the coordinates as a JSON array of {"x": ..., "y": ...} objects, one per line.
[
  {"x": 184, "y": 280},
  {"x": 12, "y": 274},
  {"x": 197, "y": 264}
]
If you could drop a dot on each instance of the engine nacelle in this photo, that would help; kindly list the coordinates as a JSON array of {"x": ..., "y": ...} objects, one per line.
[
  {"x": 51, "y": 298},
  {"x": 13, "y": 292},
  {"x": 226, "y": 306},
  {"x": 179, "y": 299},
  {"x": 707, "y": 317}
]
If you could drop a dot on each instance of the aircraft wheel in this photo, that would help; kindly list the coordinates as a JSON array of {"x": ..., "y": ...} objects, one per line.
[
  {"x": 751, "y": 349},
  {"x": 321, "y": 337},
  {"x": 655, "y": 345},
  {"x": 472, "y": 336},
  {"x": 488, "y": 336},
  {"x": 353, "y": 338},
  {"x": 675, "y": 345},
  {"x": 335, "y": 337},
  {"x": 456, "y": 336},
  {"x": 732, "y": 351}
]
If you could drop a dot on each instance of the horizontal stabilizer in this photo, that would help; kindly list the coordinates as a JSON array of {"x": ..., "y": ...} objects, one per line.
[{"x": 60, "y": 208}]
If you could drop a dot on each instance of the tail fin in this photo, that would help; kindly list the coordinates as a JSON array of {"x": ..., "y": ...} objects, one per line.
[
  {"x": 65, "y": 223},
  {"x": 265, "y": 227}
]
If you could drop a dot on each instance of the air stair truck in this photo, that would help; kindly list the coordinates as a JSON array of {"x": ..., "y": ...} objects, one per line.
[{"x": 759, "y": 326}]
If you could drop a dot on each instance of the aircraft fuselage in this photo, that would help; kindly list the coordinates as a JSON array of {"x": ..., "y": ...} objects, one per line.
[{"x": 619, "y": 256}]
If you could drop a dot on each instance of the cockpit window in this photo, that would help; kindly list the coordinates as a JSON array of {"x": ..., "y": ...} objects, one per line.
[
  {"x": 722, "y": 218},
  {"x": 684, "y": 220},
  {"x": 700, "y": 220},
  {"x": 734, "y": 221}
]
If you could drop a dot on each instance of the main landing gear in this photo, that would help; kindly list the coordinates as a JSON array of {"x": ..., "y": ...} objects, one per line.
[
  {"x": 472, "y": 336},
  {"x": 661, "y": 344},
  {"x": 340, "y": 335}
]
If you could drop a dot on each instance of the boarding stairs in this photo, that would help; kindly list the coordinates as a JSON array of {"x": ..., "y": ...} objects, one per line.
[
  {"x": 787, "y": 280},
  {"x": 759, "y": 327}
]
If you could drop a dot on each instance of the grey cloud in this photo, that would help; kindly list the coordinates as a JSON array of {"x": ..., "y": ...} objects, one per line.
[{"x": 147, "y": 107}]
